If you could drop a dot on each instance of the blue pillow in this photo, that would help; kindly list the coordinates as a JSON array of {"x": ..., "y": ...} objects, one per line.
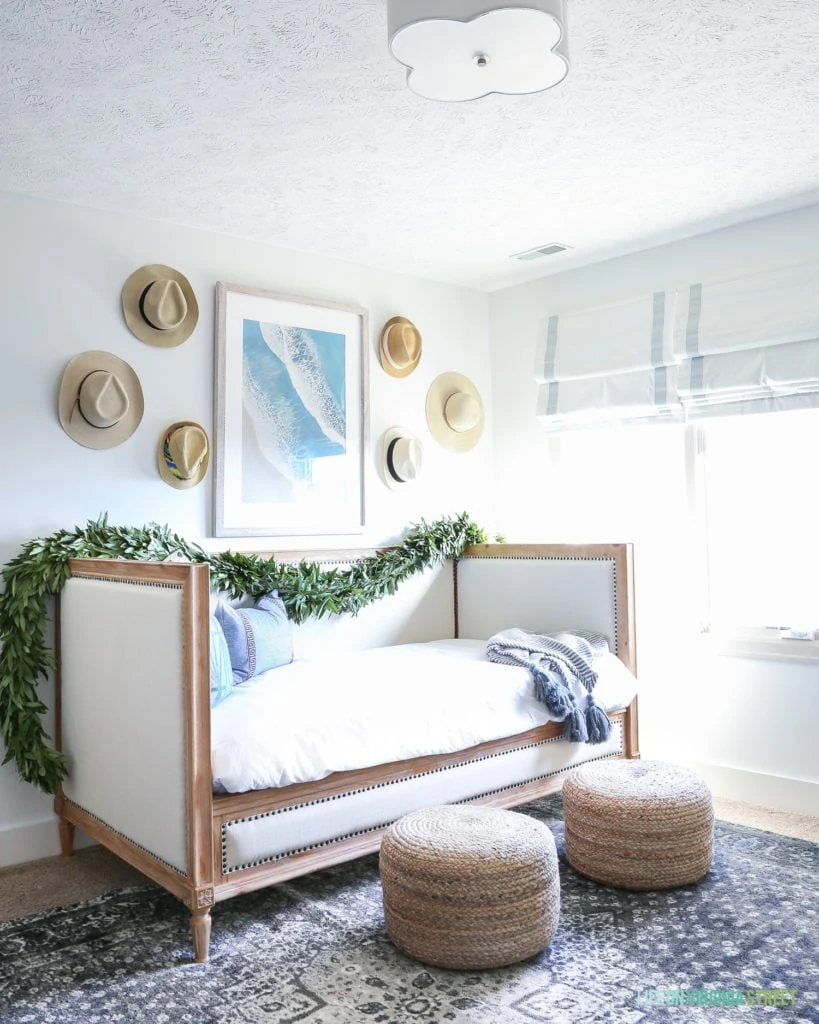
[
  {"x": 221, "y": 671},
  {"x": 258, "y": 638}
]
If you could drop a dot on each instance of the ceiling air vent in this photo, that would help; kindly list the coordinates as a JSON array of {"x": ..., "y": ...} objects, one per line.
[{"x": 550, "y": 249}]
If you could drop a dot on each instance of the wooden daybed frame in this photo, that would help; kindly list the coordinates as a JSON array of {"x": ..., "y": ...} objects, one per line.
[{"x": 104, "y": 728}]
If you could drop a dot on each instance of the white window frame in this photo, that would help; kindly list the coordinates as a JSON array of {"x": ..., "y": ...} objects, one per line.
[{"x": 765, "y": 642}]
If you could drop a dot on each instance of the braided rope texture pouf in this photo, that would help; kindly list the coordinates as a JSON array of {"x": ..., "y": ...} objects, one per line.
[
  {"x": 638, "y": 824},
  {"x": 469, "y": 887}
]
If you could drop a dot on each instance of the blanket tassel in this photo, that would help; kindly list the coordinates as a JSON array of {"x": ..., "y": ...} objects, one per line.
[
  {"x": 575, "y": 729},
  {"x": 597, "y": 721},
  {"x": 548, "y": 692}
]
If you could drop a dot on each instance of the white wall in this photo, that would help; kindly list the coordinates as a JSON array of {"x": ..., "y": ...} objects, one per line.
[
  {"x": 744, "y": 723},
  {"x": 61, "y": 271}
]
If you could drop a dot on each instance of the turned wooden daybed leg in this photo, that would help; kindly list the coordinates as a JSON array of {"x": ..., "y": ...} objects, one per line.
[
  {"x": 66, "y": 837},
  {"x": 200, "y": 929}
]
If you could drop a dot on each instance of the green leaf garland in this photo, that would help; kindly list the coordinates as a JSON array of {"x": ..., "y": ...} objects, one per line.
[{"x": 41, "y": 569}]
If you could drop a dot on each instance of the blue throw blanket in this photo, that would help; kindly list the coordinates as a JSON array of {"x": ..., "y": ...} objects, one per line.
[{"x": 556, "y": 660}]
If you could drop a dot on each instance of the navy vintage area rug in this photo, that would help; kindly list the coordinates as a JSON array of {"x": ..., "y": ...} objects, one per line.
[{"x": 315, "y": 950}]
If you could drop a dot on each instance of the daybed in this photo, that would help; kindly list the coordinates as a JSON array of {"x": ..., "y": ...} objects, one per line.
[{"x": 134, "y": 718}]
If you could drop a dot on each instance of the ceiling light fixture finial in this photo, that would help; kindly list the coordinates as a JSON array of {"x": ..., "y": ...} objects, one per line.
[{"x": 445, "y": 46}]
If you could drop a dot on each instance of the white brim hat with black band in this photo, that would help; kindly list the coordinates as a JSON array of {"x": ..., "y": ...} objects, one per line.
[{"x": 402, "y": 457}]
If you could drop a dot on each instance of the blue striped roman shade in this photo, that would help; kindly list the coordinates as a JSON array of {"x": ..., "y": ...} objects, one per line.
[
  {"x": 750, "y": 344},
  {"x": 611, "y": 363},
  {"x": 744, "y": 345}
]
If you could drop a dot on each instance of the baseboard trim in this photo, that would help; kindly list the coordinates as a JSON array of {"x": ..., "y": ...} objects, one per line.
[
  {"x": 778, "y": 792},
  {"x": 33, "y": 841}
]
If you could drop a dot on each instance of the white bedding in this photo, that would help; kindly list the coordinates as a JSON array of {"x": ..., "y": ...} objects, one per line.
[{"x": 306, "y": 720}]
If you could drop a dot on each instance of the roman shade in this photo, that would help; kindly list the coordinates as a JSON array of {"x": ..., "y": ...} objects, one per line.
[
  {"x": 745, "y": 345},
  {"x": 611, "y": 363},
  {"x": 750, "y": 344}
]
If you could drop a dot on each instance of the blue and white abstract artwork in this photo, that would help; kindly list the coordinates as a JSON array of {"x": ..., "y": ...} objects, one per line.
[
  {"x": 291, "y": 415},
  {"x": 294, "y": 429}
]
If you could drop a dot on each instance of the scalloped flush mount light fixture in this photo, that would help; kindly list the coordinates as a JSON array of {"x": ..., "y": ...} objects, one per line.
[{"x": 459, "y": 50}]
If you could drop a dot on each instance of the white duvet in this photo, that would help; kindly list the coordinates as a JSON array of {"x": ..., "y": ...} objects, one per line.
[{"x": 306, "y": 720}]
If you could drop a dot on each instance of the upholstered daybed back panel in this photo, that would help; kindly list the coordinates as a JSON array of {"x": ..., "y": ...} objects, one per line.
[
  {"x": 134, "y": 713},
  {"x": 110, "y": 713},
  {"x": 556, "y": 587}
]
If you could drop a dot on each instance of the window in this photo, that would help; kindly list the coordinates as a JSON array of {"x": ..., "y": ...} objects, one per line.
[
  {"x": 729, "y": 546},
  {"x": 627, "y": 483},
  {"x": 757, "y": 495}
]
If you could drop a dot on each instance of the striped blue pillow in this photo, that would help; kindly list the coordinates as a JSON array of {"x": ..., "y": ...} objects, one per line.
[
  {"x": 258, "y": 638},
  {"x": 221, "y": 671}
]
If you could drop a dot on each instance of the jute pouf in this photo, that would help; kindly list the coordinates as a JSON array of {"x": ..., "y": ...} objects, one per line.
[
  {"x": 469, "y": 887},
  {"x": 638, "y": 824}
]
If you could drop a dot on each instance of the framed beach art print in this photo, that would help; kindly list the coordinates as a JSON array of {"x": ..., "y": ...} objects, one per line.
[{"x": 291, "y": 415}]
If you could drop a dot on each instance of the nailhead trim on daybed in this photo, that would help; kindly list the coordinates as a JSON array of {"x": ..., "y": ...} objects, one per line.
[
  {"x": 226, "y": 870},
  {"x": 546, "y": 558},
  {"x": 537, "y": 778},
  {"x": 128, "y": 583},
  {"x": 116, "y": 832}
]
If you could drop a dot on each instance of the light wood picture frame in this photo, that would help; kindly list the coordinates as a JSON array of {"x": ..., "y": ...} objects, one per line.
[{"x": 291, "y": 414}]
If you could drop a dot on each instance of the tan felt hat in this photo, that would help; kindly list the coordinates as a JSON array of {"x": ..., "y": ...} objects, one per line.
[
  {"x": 159, "y": 305},
  {"x": 400, "y": 346},
  {"x": 101, "y": 402},
  {"x": 455, "y": 412},
  {"x": 402, "y": 457},
  {"x": 183, "y": 454}
]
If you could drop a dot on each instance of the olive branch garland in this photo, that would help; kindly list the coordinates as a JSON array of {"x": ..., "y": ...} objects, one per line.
[{"x": 41, "y": 570}]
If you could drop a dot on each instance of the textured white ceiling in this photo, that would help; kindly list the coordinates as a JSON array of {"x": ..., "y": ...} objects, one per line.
[{"x": 290, "y": 123}]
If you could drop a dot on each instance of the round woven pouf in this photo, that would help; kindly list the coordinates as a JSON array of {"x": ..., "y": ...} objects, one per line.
[
  {"x": 638, "y": 824},
  {"x": 469, "y": 887}
]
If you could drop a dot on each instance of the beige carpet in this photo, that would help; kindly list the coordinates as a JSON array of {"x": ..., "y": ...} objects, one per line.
[
  {"x": 61, "y": 881},
  {"x": 786, "y": 823}
]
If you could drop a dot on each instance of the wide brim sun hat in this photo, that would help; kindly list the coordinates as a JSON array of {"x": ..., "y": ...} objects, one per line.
[
  {"x": 101, "y": 402},
  {"x": 455, "y": 414},
  {"x": 159, "y": 305}
]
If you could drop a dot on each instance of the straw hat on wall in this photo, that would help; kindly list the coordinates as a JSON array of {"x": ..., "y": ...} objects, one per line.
[
  {"x": 455, "y": 412},
  {"x": 101, "y": 402},
  {"x": 402, "y": 457},
  {"x": 183, "y": 455},
  {"x": 159, "y": 305},
  {"x": 400, "y": 346}
]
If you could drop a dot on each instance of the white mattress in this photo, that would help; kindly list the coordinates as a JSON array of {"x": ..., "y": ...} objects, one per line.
[{"x": 306, "y": 720}]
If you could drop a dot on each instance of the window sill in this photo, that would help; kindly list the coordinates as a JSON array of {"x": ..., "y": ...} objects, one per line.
[{"x": 766, "y": 644}]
